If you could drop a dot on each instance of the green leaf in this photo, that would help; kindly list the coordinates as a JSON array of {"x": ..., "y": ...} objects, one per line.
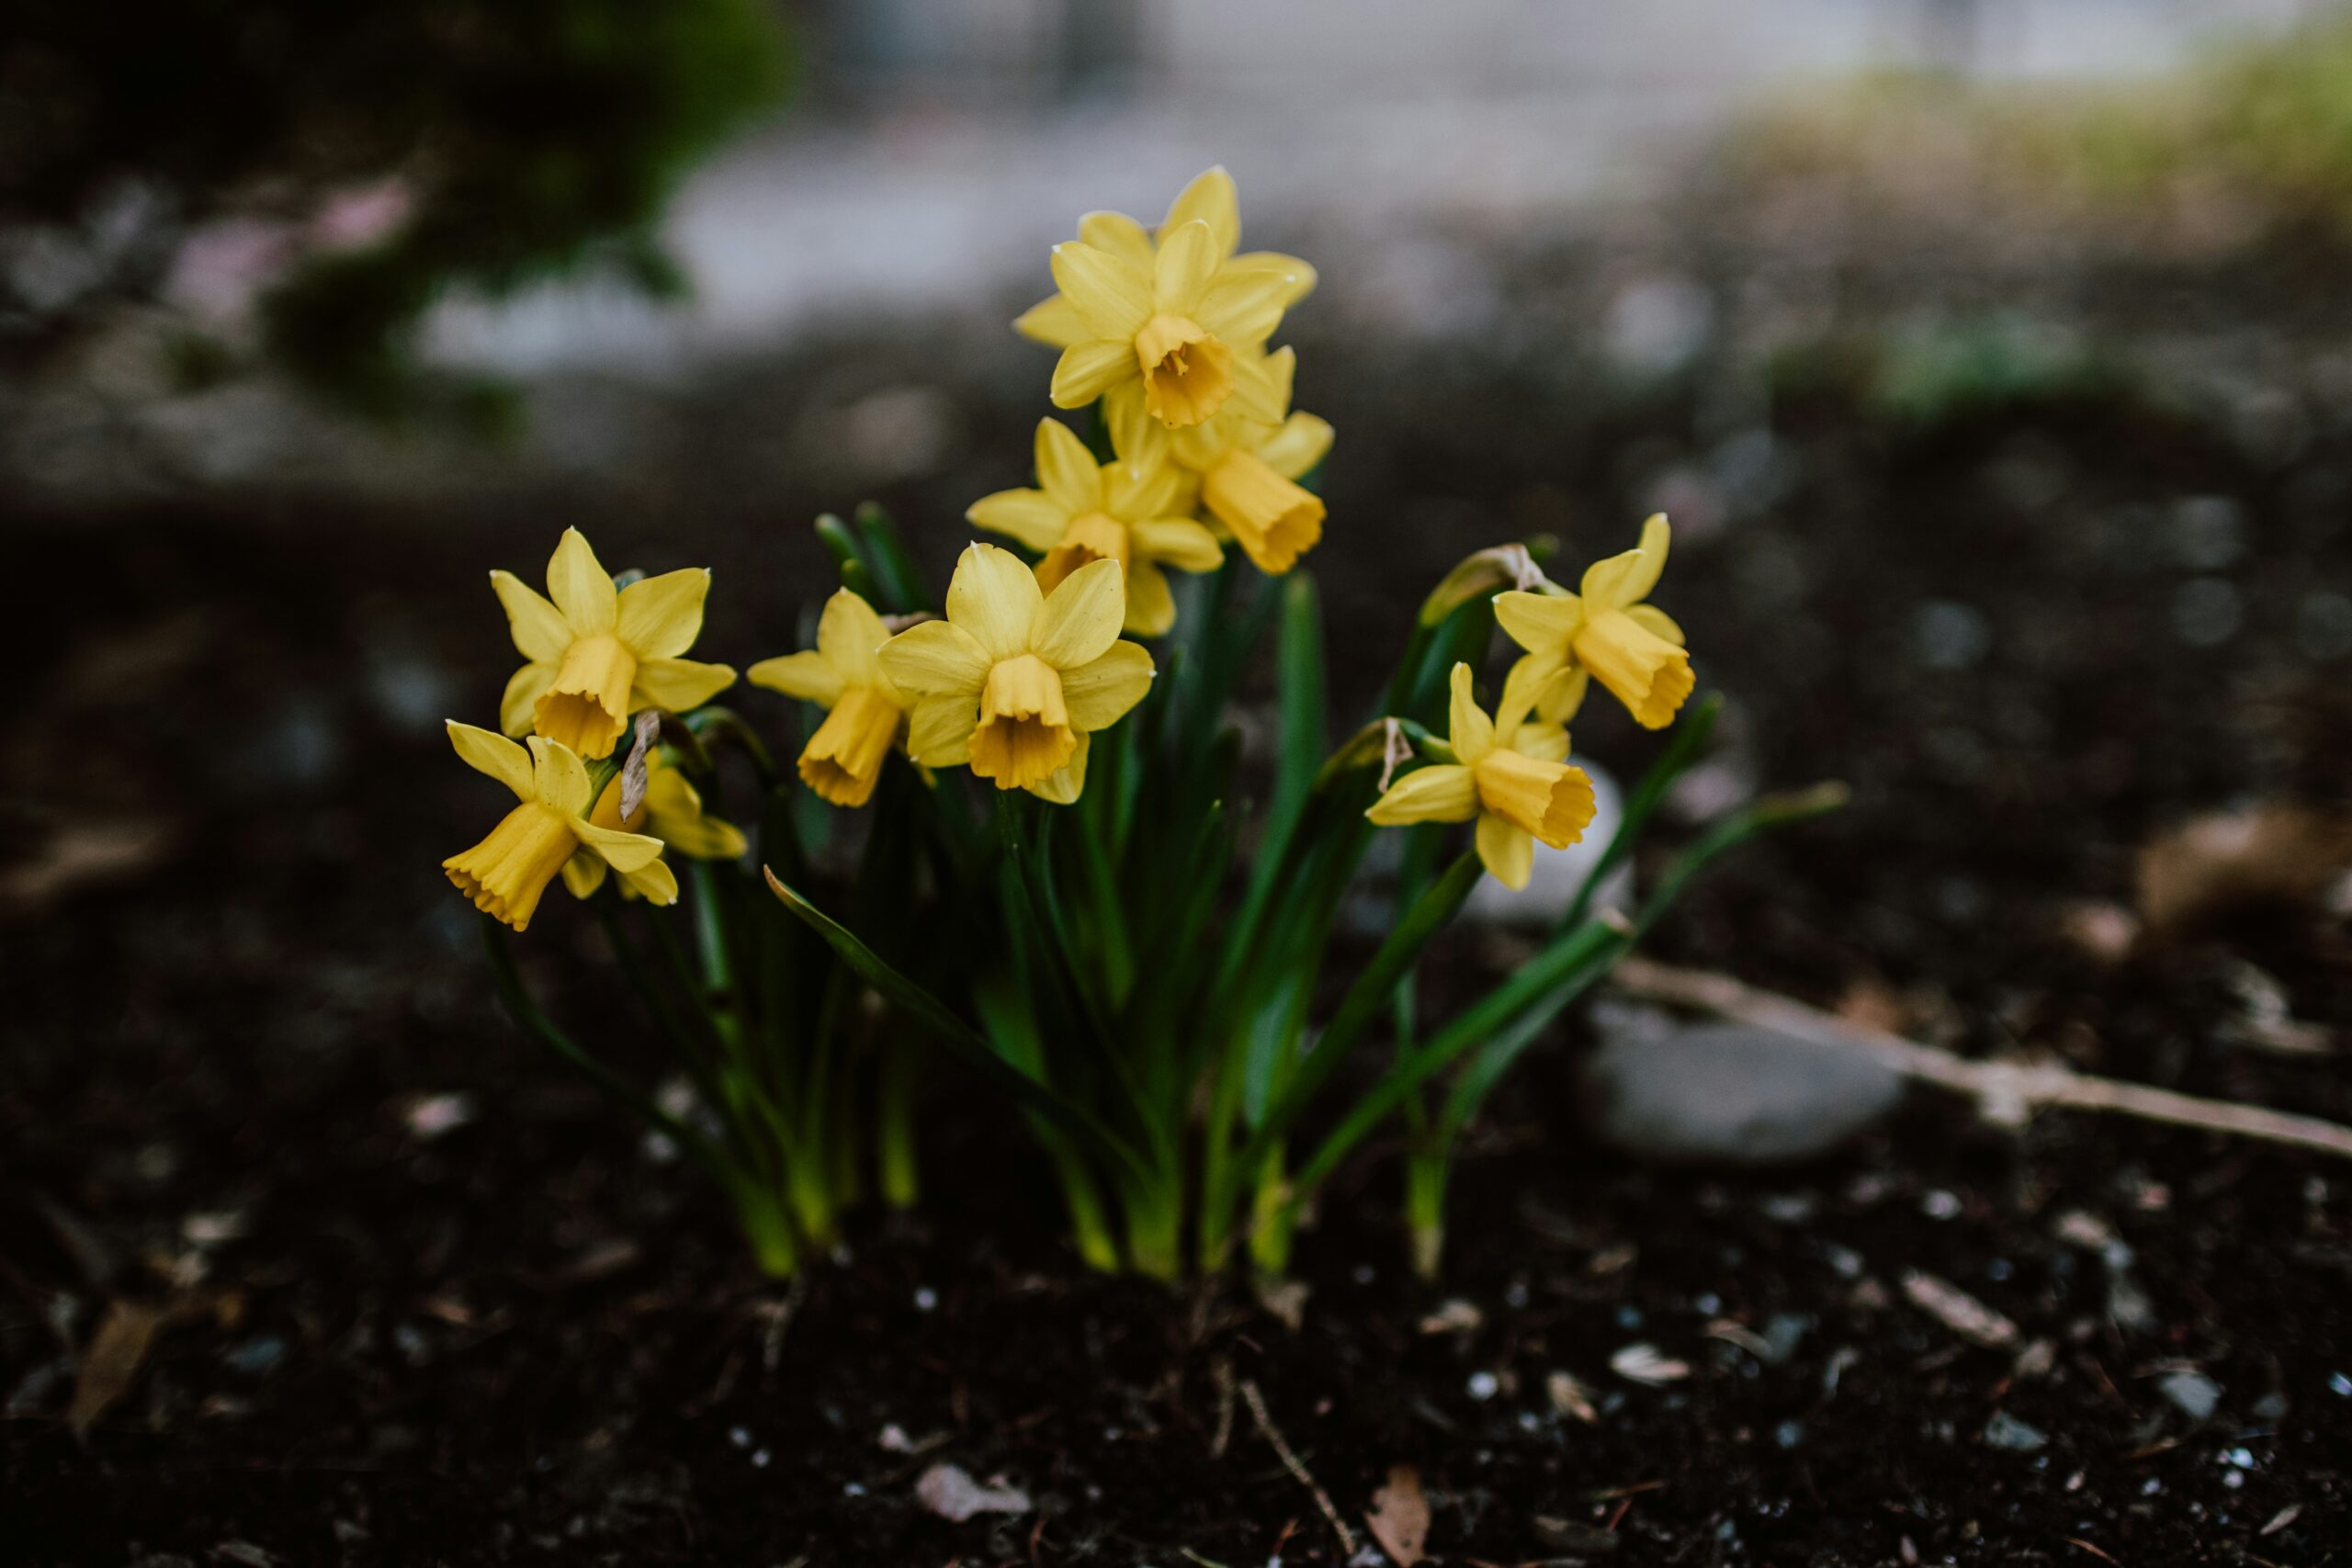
[
  {"x": 967, "y": 1044},
  {"x": 904, "y": 591}
]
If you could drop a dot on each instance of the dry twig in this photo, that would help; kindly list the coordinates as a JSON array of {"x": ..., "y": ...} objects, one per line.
[
  {"x": 2006, "y": 1092},
  {"x": 1257, "y": 1403}
]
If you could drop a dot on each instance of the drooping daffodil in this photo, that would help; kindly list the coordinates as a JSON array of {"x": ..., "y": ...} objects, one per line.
[
  {"x": 1632, "y": 648},
  {"x": 506, "y": 874},
  {"x": 1175, "y": 310},
  {"x": 1510, "y": 773},
  {"x": 1129, "y": 511},
  {"x": 1247, "y": 467},
  {"x": 670, "y": 810},
  {"x": 866, "y": 711},
  {"x": 1016, "y": 680},
  {"x": 598, "y": 654}
]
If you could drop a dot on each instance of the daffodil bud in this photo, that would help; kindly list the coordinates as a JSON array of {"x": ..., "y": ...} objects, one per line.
[{"x": 1487, "y": 571}]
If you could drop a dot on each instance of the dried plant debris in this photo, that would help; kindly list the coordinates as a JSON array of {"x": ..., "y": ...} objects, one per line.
[
  {"x": 949, "y": 1491},
  {"x": 1648, "y": 1364},
  {"x": 1958, "y": 1311},
  {"x": 1399, "y": 1519},
  {"x": 2215, "y": 868}
]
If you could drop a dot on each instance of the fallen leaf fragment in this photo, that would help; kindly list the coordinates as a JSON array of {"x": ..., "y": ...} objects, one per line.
[
  {"x": 2215, "y": 866},
  {"x": 1578, "y": 1540},
  {"x": 1400, "y": 1516},
  {"x": 1570, "y": 1398},
  {"x": 1648, "y": 1364},
  {"x": 947, "y": 1490},
  {"x": 111, "y": 1364},
  {"x": 1958, "y": 1311},
  {"x": 2283, "y": 1518},
  {"x": 1454, "y": 1316}
]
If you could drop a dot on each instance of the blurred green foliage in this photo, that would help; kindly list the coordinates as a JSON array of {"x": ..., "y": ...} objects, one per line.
[{"x": 528, "y": 139}]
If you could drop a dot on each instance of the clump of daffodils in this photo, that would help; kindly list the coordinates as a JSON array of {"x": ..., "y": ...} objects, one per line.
[{"x": 1053, "y": 886}]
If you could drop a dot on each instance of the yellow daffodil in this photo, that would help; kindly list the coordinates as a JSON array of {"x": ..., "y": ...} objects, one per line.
[
  {"x": 1175, "y": 312},
  {"x": 506, "y": 874},
  {"x": 671, "y": 811},
  {"x": 1132, "y": 513},
  {"x": 1511, "y": 775},
  {"x": 866, "y": 714},
  {"x": 1015, "y": 679},
  {"x": 1634, "y": 649},
  {"x": 598, "y": 655},
  {"x": 1247, "y": 467}
]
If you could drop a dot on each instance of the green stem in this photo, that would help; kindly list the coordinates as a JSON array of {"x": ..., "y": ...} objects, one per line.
[
  {"x": 1425, "y": 1183},
  {"x": 902, "y": 1182}
]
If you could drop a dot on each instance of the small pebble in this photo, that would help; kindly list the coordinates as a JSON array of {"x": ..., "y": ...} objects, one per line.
[
  {"x": 2193, "y": 1394},
  {"x": 1482, "y": 1385},
  {"x": 925, "y": 1298},
  {"x": 1940, "y": 1205},
  {"x": 2006, "y": 1431},
  {"x": 759, "y": 1459},
  {"x": 2339, "y": 1385},
  {"x": 1789, "y": 1434},
  {"x": 739, "y": 1435}
]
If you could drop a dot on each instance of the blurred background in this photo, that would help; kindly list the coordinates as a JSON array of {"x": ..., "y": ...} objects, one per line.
[{"x": 1992, "y": 357}]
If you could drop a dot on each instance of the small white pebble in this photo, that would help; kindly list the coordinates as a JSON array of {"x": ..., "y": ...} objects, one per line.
[
  {"x": 740, "y": 1437},
  {"x": 853, "y": 1489},
  {"x": 1940, "y": 1205},
  {"x": 759, "y": 1459},
  {"x": 925, "y": 1298},
  {"x": 1483, "y": 1385}
]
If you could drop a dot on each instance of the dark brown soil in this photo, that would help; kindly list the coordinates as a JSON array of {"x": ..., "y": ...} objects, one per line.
[{"x": 526, "y": 1339}]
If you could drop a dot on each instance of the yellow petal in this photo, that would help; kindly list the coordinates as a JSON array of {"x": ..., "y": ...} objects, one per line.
[
  {"x": 809, "y": 675},
  {"x": 1210, "y": 199},
  {"x": 702, "y": 838},
  {"x": 1470, "y": 731},
  {"x": 1117, "y": 233},
  {"x": 1627, "y": 578},
  {"x": 659, "y": 617},
  {"x": 1508, "y": 852},
  {"x": 517, "y": 710},
  {"x": 843, "y": 762},
  {"x": 1055, "y": 322},
  {"x": 1539, "y": 623},
  {"x": 538, "y": 628},
  {"x": 505, "y": 874},
  {"x": 935, "y": 659},
  {"x": 1136, "y": 437},
  {"x": 1099, "y": 694},
  {"x": 993, "y": 597},
  {"x": 1297, "y": 447},
  {"x": 939, "y": 732},
  {"x": 1178, "y": 542},
  {"x": 622, "y": 852},
  {"x": 494, "y": 755},
  {"x": 1023, "y": 734},
  {"x": 582, "y": 588},
  {"x": 1443, "y": 793},
  {"x": 653, "y": 882},
  {"x": 1299, "y": 276},
  {"x": 1081, "y": 619},
  {"x": 1068, "y": 782},
  {"x": 559, "y": 777},
  {"x": 1180, "y": 272},
  {"x": 1111, "y": 294},
  {"x": 1562, "y": 695},
  {"x": 678, "y": 684},
  {"x": 850, "y": 635},
  {"x": 1137, "y": 489},
  {"x": 1544, "y": 742},
  {"x": 1243, "y": 307},
  {"x": 1253, "y": 396},
  {"x": 583, "y": 874},
  {"x": 1087, "y": 371},
  {"x": 1521, "y": 689},
  {"x": 1549, "y": 799},
  {"x": 1031, "y": 517},
  {"x": 1275, "y": 520},
  {"x": 1066, "y": 470},
  {"x": 1151, "y": 606},
  {"x": 1658, "y": 622}
]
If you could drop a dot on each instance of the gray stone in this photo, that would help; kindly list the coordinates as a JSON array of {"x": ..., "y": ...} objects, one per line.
[
  {"x": 1725, "y": 1091},
  {"x": 2193, "y": 1394},
  {"x": 2006, "y": 1431}
]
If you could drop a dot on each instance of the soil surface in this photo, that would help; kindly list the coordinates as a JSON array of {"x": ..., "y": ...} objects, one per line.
[{"x": 428, "y": 1302}]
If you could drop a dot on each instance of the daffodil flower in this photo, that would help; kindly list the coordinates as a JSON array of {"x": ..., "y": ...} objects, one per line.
[
  {"x": 1247, "y": 467},
  {"x": 866, "y": 714},
  {"x": 598, "y": 655},
  {"x": 1016, "y": 680},
  {"x": 506, "y": 874},
  {"x": 671, "y": 811},
  {"x": 1510, "y": 773},
  {"x": 1175, "y": 310},
  {"x": 1634, "y": 648},
  {"x": 1132, "y": 513}
]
